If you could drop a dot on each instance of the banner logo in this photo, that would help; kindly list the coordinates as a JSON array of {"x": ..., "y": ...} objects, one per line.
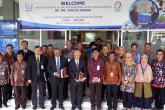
[
  {"x": 118, "y": 6},
  {"x": 28, "y": 7}
]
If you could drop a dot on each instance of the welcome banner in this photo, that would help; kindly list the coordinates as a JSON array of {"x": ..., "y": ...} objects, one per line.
[
  {"x": 86, "y": 14},
  {"x": 70, "y": 14}
]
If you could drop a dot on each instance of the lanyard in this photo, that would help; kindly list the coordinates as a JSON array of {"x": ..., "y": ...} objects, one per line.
[
  {"x": 105, "y": 58},
  {"x": 112, "y": 67},
  {"x": 159, "y": 65},
  {"x": 143, "y": 70}
]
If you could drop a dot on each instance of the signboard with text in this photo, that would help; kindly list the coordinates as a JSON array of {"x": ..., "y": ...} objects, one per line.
[{"x": 89, "y": 14}]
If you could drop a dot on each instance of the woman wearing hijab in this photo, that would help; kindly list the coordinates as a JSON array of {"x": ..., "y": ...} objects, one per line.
[
  {"x": 128, "y": 81},
  {"x": 116, "y": 50},
  {"x": 143, "y": 92}
]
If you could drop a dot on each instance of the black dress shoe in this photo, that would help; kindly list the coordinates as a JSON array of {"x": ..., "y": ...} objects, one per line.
[
  {"x": 34, "y": 107},
  {"x": 61, "y": 107},
  {"x": 42, "y": 107},
  {"x": 80, "y": 108},
  {"x": 0, "y": 106},
  {"x": 5, "y": 105},
  {"x": 73, "y": 108},
  {"x": 23, "y": 107},
  {"x": 53, "y": 107},
  {"x": 49, "y": 97},
  {"x": 17, "y": 107}
]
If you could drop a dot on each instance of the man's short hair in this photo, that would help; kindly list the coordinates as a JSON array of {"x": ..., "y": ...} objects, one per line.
[
  {"x": 159, "y": 50},
  {"x": 77, "y": 50},
  {"x": 9, "y": 45},
  {"x": 37, "y": 47},
  {"x": 44, "y": 46},
  {"x": 98, "y": 39},
  {"x": 50, "y": 45},
  {"x": 79, "y": 42},
  {"x": 112, "y": 53},
  {"x": 95, "y": 49},
  {"x": 19, "y": 52},
  {"x": 24, "y": 41},
  {"x": 148, "y": 44},
  {"x": 57, "y": 49},
  {"x": 105, "y": 46},
  {"x": 133, "y": 45}
]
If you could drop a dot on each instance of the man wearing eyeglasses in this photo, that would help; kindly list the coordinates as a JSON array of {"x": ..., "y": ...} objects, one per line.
[
  {"x": 95, "y": 69},
  {"x": 158, "y": 83}
]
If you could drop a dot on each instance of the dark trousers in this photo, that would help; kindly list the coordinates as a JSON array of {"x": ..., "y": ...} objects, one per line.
[
  {"x": 49, "y": 89},
  {"x": 10, "y": 88},
  {"x": 103, "y": 90},
  {"x": 4, "y": 89},
  {"x": 76, "y": 94},
  {"x": 112, "y": 89},
  {"x": 127, "y": 99},
  {"x": 65, "y": 93},
  {"x": 95, "y": 90},
  {"x": 29, "y": 91},
  {"x": 20, "y": 95},
  {"x": 159, "y": 96},
  {"x": 34, "y": 93},
  {"x": 57, "y": 90},
  {"x": 119, "y": 93}
]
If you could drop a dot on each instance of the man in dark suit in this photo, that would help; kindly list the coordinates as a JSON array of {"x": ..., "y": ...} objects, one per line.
[
  {"x": 134, "y": 15},
  {"x": 36, "y": 75},
  {"x": 56, "y": 78},
  {"x": 26, "y": 54},
  {"x": 76, "y": 66},
  {"x": 154, "y": 15}
]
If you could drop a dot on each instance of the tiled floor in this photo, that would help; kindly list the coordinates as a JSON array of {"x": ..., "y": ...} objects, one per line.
[{"x": 67, "y": 104}]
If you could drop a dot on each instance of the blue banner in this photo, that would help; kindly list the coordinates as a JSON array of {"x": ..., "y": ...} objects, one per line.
[
  {"x": 13, "y": 41},
  {"x": 8, "y": 28}
]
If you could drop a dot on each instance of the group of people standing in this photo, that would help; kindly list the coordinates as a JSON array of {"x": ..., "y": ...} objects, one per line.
[{"x": 135, "y": 79}]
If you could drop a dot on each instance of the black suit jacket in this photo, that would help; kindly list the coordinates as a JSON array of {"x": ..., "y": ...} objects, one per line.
[
  {"x": 73, "y": 70},
  {"x": 51, "y": 68},
  {"x": 134, "y": 17},
  {"x": 28, "y": 54},
  {"x": 32, "y": 68},
  {"x": 154, "y": 17}
]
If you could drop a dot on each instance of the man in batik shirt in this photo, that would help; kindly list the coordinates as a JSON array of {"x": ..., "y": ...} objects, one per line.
[
  {"x": 4, "y": 80},
  {"x": 19, "y": 81},
  {"x": 68, "y": 54},
  {"x": 158, "y": 83},
  {"x": 9, "y": 57}
]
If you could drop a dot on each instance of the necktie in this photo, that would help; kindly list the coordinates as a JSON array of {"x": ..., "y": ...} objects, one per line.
[
  {"x": 77, "y": 64},
  {"x": 24, "y": 53},
  {"x": 38, "y": 66},
  {"x": 58, "y": 66}
]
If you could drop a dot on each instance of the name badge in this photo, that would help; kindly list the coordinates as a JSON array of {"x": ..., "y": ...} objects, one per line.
[
  {"x": 111, "y": 74},
  {"x": 98, "y": 67},
  {"x": 61, "y": 73},
  {"x": 99, "y": 80},
  {"x": 126, "y": 78},
  {"x": 42, "y": 67},
  {"x": 22, "y": 71},
  {"x": 160, "y": 72},
  {"x": 142, "y": 78},
  {"x": 3, "y": 73},
  {"x": 68, "y": 60}
]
